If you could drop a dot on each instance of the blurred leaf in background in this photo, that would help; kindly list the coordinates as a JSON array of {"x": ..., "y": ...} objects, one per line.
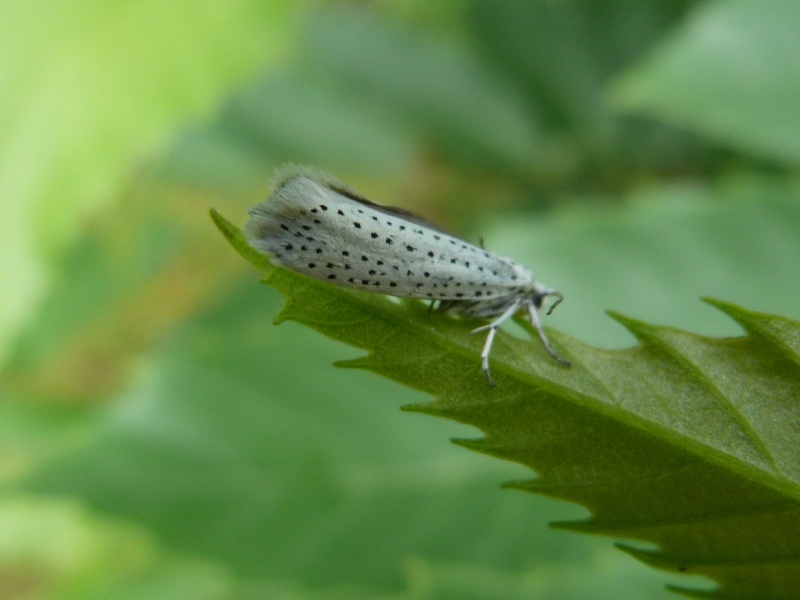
[
  {"x": 88, "y": 90},
  {"x": 635, "y": 155}
]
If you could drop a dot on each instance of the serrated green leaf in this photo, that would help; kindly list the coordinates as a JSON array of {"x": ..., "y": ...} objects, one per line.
[{"x": 685, "y": 441}]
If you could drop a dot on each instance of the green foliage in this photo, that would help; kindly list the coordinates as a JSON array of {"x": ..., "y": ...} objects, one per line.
[
  {"x": 728, "y": 73},
  {"x": 173, "y": 443},
  {"x": 74, "y": 118},
  {"x": 679, "y": 439}
]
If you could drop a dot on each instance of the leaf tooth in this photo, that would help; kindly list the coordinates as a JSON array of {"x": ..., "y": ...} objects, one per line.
[
  {"x": 366, "y": 362},
  {"x": 236, "y": 239},
  {"x": 779, "y": 332},
  {"x": 707, "y": 594},
  {"x": 523, "y": 485},
  {"x": 654, "y": 558},
  {"x": 644, "y": 332},
  {"x": 288, "y": 313},
  {"x": 679, "y": 348},
  {"x": 226, "y": 228},
  {"x": 595, "y": 526},
  {"x": 589, "y": 525},
  {"x": 746, "y": 318},
  {"x": 428, "y": 408},
  {"x": 477, "y": 444},
  {"x": 294, "y": 307},
  {"x": 283, "y": 315},
  {"x": 544, "y": 486},
  {"x": 661, "y": 560},
  {"x": 656, "y": 336},
  {"x": 485, "y": 445}
]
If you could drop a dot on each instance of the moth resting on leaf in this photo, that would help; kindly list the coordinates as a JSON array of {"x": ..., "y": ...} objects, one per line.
[{"x": 315, "y": 225}]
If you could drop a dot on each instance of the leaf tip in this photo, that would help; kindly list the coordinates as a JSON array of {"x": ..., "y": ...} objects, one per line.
[
  {"x": 362, "y": 362},
  {"x": 729, "y": 308},
  {"x": 236, "y": 238},
  {"x": 475, "y": 444},
  {"x": 639, "y": 329},
  {"x": 228, "y": 229},
  {"x": 523, "y": 485},
  {"x": 748, "y": 319},
  {"x": 426, "y": 408},
  {"x": 692, "y": 593},
  {"x": 579, "y": 526},
  {"x": 654, "y": 557}
]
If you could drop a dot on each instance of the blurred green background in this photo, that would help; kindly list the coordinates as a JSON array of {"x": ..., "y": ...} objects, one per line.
[{"x": 160, "y": 438}]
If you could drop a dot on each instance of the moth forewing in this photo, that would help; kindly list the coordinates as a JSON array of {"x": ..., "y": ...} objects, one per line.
[
  {"x": 313, "y": 229},
  {"x": 315, "y": 225}
]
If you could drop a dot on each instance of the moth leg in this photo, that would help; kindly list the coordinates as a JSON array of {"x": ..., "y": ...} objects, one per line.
[
  {"x": 493, "y": 327},
  {"x": 487, "y": 348},
  {"x": 536, "y": 322}
]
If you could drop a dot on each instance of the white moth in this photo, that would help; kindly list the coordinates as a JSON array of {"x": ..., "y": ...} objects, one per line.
[{"x": 315, "y": 225}]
